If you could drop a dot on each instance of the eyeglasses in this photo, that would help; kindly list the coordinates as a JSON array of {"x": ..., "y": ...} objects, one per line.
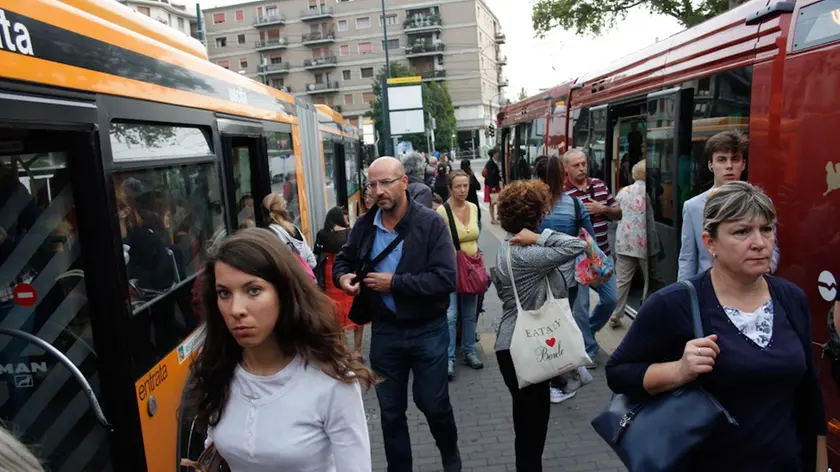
[{"x": 383, "y": 183}]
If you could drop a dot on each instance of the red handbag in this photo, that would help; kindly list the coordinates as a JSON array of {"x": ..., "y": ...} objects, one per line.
[{"x": 472, "y": 276}]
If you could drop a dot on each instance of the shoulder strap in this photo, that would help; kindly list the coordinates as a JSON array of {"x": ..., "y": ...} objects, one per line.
[
  {"x": 578, "y": 223},
  {"x": 591, "y": 189},
  {"x": 452, "y": 228},
  {"x": 388, "y": 249},
  {"x": 696, "y": 322}
]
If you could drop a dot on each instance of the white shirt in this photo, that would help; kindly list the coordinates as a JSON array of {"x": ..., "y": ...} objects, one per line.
[{"x": 297, "y": 420}]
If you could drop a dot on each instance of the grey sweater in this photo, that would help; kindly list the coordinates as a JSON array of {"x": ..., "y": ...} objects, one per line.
[{"x": 551, "y": 257}]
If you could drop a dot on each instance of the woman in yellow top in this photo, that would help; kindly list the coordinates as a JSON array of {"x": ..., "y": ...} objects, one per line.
[{"x": 466, "y": 224}]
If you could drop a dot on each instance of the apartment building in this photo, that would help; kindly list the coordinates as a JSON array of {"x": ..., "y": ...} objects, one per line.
[
  {"x": 172, "y": 14},
  {"x": 330, "y": 51}
]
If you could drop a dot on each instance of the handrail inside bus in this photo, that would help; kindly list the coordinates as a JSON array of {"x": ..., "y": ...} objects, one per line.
[{"x": 77, "y": 374}]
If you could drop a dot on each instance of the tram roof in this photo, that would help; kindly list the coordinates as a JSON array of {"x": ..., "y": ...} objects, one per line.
[{"x": 78, "y": 45}]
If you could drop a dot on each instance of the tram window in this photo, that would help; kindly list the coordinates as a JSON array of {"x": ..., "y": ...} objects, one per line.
[
  {"x": 329, "y": 169},
  {"x": 283, "y": 165},
  {"x": 596, "y": 141},
  {"x": 817, "y": 24},
  {"x": 167, "y": 216},
  {"x": 726, "y": 106},
  {"x": 351, "y": 167},
  {"x": 148, "y": 141},
  {"x": 242, "y": 178}
]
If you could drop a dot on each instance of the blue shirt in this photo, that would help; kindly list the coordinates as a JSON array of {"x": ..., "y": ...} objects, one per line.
[
  {"x": 381, "y": 240},
  {"x": 562, "y": 218}
]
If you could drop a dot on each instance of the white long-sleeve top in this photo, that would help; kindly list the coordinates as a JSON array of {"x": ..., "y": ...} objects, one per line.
[{"x": 297, "y": 420}]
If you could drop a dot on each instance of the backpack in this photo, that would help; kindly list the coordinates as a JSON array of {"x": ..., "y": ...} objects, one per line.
[{"x": 300, "y": 259}]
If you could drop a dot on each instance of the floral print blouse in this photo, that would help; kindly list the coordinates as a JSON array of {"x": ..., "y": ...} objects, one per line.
[
  {"x": 756, "y": 326},
  {"x": 631, "y": 234}
]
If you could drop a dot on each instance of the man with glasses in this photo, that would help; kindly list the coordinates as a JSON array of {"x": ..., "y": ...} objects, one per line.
[{"x": 399, "y": 264}]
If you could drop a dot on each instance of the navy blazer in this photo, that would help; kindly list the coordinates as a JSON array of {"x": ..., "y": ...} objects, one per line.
[{"x": 659, "y": 335}]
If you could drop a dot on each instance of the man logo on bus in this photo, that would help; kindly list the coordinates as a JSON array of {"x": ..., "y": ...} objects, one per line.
[
  {"x": 832, "y": 177},
  {"x": 15, "y": 36}
]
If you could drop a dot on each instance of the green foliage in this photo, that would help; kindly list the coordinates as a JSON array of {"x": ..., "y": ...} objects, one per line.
[
  {"x": 593, "y": 16},
  {"x": 523, "y": 94},
  {"x": 436, "y": 100}
]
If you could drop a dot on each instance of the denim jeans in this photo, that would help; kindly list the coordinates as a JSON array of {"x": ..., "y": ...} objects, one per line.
[
  {"x": 591, "y": 324},
  {"x": 469, "y": 315},
  {"x": 419, "y": 349}
]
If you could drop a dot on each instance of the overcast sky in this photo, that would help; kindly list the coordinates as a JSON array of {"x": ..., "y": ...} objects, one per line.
[{"x": 542, "y": 63}]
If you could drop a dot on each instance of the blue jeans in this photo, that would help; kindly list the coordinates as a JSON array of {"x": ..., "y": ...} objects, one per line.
[
  {"x": 608, "y": 294},
  {"x": 420, "y": 349},
  {"x": 469, "y": 315}
]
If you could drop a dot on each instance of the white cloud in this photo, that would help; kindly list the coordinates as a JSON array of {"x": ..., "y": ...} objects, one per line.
[{"x": 542, "y": 63}]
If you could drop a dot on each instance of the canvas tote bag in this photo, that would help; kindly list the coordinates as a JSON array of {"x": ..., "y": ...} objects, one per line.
[{"x": 547, "y": 341}]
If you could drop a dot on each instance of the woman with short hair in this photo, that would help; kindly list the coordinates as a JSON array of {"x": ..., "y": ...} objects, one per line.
[
  {"x": 274, "y": 381},
  {"x": 534, "y": 259},
  {"x": 756, "y": 358}
]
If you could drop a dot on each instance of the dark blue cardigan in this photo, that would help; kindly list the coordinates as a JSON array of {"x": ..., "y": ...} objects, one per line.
[{"x": 663, "y": 326}]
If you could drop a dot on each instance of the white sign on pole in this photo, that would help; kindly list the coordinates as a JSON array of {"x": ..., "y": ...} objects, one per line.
[
  {"x": 405, "y": 97},
  {"x": 369, "y": 133},
  {"x": 407, "y": 122}
]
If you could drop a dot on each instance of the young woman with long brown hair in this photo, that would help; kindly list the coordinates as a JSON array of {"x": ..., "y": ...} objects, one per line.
[{"x": 275, "y": 382}]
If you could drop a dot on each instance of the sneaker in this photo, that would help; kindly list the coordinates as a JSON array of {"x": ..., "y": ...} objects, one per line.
[
  {"x": 584, "y": 376},
  {"x": 591, "y": 365},
  {"x": 559, "y": 396},
  {"x": 450, "y": 370},
  {"x": 473, "y": 361}
]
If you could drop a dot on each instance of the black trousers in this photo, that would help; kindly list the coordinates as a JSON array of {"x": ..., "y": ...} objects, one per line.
[{"x": 531, "y": 410}]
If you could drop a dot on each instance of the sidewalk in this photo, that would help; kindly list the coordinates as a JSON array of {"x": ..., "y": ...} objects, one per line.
[{"x": 483, "y": 408}]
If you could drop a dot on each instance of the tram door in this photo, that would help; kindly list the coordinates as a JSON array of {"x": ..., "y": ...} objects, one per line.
[
  {"x": 243, "y": 148},
  {"x": 668, "y": 139},
  {"x": 50, "y": 382}
]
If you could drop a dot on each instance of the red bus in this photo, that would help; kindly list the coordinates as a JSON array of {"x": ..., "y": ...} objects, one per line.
[{"x": 767, "y": 70}]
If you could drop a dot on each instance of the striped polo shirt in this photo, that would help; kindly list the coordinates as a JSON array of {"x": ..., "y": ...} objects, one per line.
[{"x": 598, "y": 191}]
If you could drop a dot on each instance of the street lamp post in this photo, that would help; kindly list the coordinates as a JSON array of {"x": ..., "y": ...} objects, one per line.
[{"x": 386, "y": 122}]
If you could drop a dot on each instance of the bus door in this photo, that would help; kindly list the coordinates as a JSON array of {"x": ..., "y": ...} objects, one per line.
[
  {"x": 53, "y": 337},
  {"x": 668, "y": 139},
  {"x": 246, "y": 170},
  {"x": 334, "y": 171}
]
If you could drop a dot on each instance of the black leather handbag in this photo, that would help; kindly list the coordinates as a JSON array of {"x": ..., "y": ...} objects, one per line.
[{"x": 659, "y": 435}]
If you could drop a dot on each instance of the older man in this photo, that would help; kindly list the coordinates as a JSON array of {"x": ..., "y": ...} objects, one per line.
[
  {"x": 399, "y": 263},
  {"x": 431, "y": 171},
  {"x": 415, "y": 169}
]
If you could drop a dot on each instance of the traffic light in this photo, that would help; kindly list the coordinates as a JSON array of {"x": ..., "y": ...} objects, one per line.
[{"x": 491, "y": 130}]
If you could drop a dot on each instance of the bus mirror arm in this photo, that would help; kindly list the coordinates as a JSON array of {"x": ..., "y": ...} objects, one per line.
[{"x": 77, "y": 374}]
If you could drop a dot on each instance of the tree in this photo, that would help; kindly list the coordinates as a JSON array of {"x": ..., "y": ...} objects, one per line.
[
  {"x": 523, "y": 94},
  {"x": 436, "y": 101},
  {"x": 593, "y": 16}
]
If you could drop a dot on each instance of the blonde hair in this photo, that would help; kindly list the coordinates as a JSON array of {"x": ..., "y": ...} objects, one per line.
[
  {"x": 278, "y": 214},
  {"x": 736, "y": 201},
  {"x": 15, "y": 456},
  {"x": 639, "y": 171}
]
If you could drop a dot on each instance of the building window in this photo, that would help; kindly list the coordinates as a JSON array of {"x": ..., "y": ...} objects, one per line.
[
  {"x": 367, "y": 97},
  {"x": 275, "y": 59},
  {"x": 240, "y": 15},
  {"x": 144, "y": 11},
  {"x": 392, "y": 44},
  {"x": 363, "y": 23},
  {"x": 365, "y": 48},
  {"x": 278, "y": 83},
  {"x": 348, "y": 99},
  {"x": 180, "y": 23},
  {"x": 218, "y": 18},
  {"x": 342, "y": 25},
  {"x": 367, "y": 72},
  {"x": 346, "y": 75},
  {"x": 224, "y": 63},
  {"x": 221, "y": 42},
  {"x": 243, "y": 63},
  {"x": 240, "y": 39},
  {"x": 390, "y": 19},
  {"x": 344, "y": 50}
]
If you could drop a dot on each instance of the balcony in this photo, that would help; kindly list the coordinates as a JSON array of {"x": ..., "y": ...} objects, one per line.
[
  {"x": 326, "y": 87},
  {"x": 271, "y": 69},
  {"x": 270, "y": 20},
  {"x": 424, "y": 48},
  {"x": 320, "y": 63},
  {"x": 503, "y": 82},
  {"x": 501, "y": 38},
  {"x": 271, "y": 43},
  {"x": 501, "y": 60},
  {"x": 432, "y": 75},
  {"x": 421, "y": 24},
  {"x": 317, "y": 13},
  {"x": 311, "y": 39}
]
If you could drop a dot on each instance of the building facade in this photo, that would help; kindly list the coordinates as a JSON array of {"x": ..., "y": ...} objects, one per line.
[
  {"x": 172, "y": 14},
  {"x": 331, "y": 50}
]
